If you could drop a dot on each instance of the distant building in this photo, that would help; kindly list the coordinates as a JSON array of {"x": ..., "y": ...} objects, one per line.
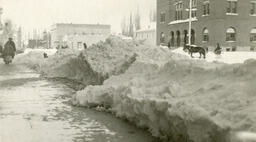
[
  {"x": 74, "y": 35},
  {"x": 36, "y": 43},
  {"x": 232, "y": 23},
  {"x": 147, "y": 35},
  {"x": 46, "y": 39}
]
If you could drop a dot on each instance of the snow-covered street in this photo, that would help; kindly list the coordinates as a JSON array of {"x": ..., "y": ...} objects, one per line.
[
  {"x": 162, "y": 90},
  {"x": 33, "y": 109}
]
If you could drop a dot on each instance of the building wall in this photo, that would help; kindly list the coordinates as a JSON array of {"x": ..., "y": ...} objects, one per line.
[
  {"x": 148, "y": 36},
  {"x": 61, "y": 32},
  {"x": 76, "y": 42},
  {"x": 217, "y": 23}
]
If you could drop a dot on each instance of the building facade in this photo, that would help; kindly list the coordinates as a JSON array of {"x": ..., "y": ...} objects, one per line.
[
  {"x": 74, "y": 35},
  {"x": 147, "y": 35},
  {"x": 232, "y": 23}
]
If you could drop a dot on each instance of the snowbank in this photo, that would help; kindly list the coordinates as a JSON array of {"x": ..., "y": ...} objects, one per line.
[
  {"x": 180, "y": 99},
  {"x": 225, "y": 57},
  {"x": 177, "y": 98},
  {"x": 47, "y": 51},
  {"x": 89, "y": 67}
]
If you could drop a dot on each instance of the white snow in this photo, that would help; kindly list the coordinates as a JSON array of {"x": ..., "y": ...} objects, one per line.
[
  {"x": 246, "y": 136},
  {"x": 225, "y": 57},
  {"x": 47, "y": 51},
  {"x": 171, "y": 94},
  {"x": 182, "y": 21}
]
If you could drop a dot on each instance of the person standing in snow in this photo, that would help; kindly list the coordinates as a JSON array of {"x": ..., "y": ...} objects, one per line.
[
  {"x": 9, "y": 48},
  {"x": 218, "y": 49},
  {"x": 85, "y": 46}
]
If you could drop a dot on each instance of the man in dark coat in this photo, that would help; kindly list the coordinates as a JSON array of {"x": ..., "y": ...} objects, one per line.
[
  {"x": 9, "y": 48},
  {"x": 85, "y": 46}
]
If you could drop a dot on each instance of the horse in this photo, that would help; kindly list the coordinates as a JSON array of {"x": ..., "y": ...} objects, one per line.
[{"x": 194, "y": 49}]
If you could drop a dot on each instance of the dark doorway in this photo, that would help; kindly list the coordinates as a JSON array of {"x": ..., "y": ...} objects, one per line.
[
  {"x": 172, "y": 38},
  {"x": 185, "y": 37},
  {"x": 193, "y": 36},
  {"x": 178, "y": 38}
]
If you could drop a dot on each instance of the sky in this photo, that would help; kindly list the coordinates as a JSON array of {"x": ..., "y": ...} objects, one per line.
[{"x": 41, "y": 14}]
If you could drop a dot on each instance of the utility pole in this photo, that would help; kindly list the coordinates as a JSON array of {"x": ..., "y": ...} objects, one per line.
[{"x": 190, "y": 22}]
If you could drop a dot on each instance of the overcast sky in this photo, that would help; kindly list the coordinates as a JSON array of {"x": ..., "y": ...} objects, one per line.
[{"x": 41, "y": 14}]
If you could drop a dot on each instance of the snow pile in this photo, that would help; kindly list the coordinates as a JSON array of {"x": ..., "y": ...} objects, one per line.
[
  {"x": 225, "y": 57},
  {"x": 177, "y": 98},
  {"x": 89, "y": 67},
  {"x": 31, "y": 58},
  {"x": 47, "y": 51},
  {"x": 181, "y": 100}
]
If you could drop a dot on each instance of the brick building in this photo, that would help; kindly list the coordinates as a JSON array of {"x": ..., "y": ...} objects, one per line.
[{"x": 232, "y": 23}]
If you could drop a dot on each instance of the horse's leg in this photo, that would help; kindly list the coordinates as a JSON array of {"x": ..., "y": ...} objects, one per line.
[
  {"x": 204, "y": 54},
  {"x": 191, "y": 55},
  {"x": 200, "y": 54}
]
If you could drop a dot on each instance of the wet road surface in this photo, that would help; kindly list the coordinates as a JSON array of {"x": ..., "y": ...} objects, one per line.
[{"x": 33, "y": 109}]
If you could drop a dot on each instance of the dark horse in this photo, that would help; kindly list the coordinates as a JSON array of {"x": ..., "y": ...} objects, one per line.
[{"x": 194, "y": 49}]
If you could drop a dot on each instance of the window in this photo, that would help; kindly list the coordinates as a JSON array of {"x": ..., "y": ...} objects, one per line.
[
  {"x": 253, "y": 10},
  {"x": 162, "y": 17},
  {"x": 193, "y": 13},
  {"x": 231, "y": 34},
  {"x": 205, "y": 35},
  {"x": 178, "y": 11},
  {"x": 162, "y": 37},
  {"x": 253, "y": 35},
  {"x": 206, "y": 8},
  {"x": 193, "y": 3},
  {"x": 232, "y": 7},
  {"x": 193, "y": 10},
  {"x": 79, "y": 45}
]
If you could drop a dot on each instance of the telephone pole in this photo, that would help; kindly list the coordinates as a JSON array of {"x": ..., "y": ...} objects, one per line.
[{"x": 190, "y": 22}]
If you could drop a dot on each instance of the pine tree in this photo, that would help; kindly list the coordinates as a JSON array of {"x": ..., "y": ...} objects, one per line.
[{"x": 152, "y": 15}]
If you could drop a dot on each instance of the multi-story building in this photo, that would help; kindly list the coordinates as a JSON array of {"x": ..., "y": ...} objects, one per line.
[
  {"x": 74, "y": 35},
  {"x": 232, "y": 23}
]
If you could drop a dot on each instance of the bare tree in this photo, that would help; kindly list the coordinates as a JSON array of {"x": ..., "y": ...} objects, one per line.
[
  {"x": 124, "y": 26},
  {"x": 137, "y": 20},
  {"x": 152, "y": 15},
  {"x": 131, "y": 26},
  {"x": 8, "y": 30}
]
